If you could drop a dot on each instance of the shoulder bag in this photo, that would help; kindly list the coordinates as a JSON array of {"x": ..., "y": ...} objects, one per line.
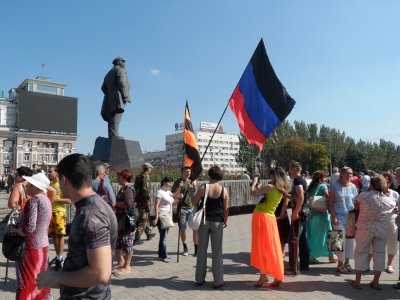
[
  {"x": 318, "y": 203},
  {"x": 13, "y": 246},
  {"x": 166, "y": 220},
  {"x": 197, "y": 214}
]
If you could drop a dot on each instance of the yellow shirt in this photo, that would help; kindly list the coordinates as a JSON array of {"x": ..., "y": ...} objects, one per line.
[
  {"x": 271, "y": 202},
  {"x": 56, "y": 206}
]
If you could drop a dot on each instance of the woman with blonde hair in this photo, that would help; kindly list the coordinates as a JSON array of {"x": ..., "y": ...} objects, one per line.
[
  {"x": 341, "y": 197},
  {"x": 266, "y": 252}
]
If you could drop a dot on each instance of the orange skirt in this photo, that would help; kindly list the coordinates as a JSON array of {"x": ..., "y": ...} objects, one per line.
[{"x": 266, "y": 251}]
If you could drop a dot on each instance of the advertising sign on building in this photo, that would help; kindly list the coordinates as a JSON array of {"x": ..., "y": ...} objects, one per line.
[{"x": 210, "y": 127}]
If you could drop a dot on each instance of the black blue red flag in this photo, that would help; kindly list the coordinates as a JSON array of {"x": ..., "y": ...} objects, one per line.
[{"x": 260, "y": 101}]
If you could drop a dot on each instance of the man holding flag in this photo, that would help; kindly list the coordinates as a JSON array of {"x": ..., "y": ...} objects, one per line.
[{"x": 185, "y": 207}]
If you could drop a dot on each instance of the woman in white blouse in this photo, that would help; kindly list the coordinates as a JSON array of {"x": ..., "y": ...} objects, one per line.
[
  {"x": 163, "y": 206},
  {"x": 371, "y": 225}
]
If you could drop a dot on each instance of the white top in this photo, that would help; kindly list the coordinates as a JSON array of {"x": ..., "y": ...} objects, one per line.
[
  {"x": 166, "y": 201},
  {"x": 365, "y": 179},
  {"x": 335, "y": 176}
]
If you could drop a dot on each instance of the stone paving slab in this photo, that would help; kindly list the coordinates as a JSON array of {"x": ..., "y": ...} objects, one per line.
[{"x": 152, "y": 279}]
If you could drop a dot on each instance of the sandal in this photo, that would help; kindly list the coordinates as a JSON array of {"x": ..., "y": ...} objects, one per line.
[
  {"x": 333, "y": 259},
  {"x": 123, "y": 272},
  {"x": 117, "y": 267},
  {"x": 348, "y": 267},
  {"x": 389, "y": 269},
  {"x": 376, "y": 287},
  {"x": 218, "y": 286},
  {"x": 355, "y": 285},
  {"x": 314, "y": 261},
  {"x": 276, "y": 283},
  {"x": 260, "y": 283},
  {"x": 342, "y": 270}
]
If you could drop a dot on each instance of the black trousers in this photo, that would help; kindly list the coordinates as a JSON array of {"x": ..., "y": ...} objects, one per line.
[{"x": 303, "y": 246}]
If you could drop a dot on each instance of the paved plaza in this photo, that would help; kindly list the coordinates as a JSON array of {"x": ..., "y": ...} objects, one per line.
[{"x": 152, "y": 279}]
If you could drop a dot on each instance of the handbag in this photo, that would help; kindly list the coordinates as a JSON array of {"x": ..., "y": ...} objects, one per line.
[
  {"x": 13, "y": 246},
  {"x": 126, "y": 224},
  {"x": 166, "y": 220},
  {"x": 335, "y": 241},
  {"x": 318, "y": 203},
  {"x": 351, "y": 224},
  {"x": 197, "y": 213},
  {"x": 305, "y": 213}
]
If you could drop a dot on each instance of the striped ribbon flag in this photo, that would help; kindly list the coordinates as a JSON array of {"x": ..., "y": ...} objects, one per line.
[{"x": 192, "y": 155}]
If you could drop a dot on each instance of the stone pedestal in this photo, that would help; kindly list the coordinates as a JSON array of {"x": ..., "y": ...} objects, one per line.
[{"x": 118, "y": 152}]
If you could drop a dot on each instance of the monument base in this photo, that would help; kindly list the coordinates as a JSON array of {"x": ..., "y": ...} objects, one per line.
[{"x": 118, "y": 152}]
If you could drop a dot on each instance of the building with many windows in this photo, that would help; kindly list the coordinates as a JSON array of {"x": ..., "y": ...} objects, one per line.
[
  {"x": 221, "y": 152},
  {"x": 38, "y": 124}
]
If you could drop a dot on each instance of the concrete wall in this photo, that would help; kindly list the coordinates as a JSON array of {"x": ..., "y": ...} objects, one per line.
[{"x": 238, "y": 190}]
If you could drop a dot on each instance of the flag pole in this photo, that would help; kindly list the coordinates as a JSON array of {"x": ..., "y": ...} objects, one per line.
[{"x": 181, "y": 201}]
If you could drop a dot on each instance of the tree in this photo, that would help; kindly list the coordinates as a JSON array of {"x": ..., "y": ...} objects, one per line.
[
  {"x": 355, "y": 159},
  {"x": 316, "y": 158},
  {"x": 247, "y": 154},
  {"x": 290, "y": 150}
]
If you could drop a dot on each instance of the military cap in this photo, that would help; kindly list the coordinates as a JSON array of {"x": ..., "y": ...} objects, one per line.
[
  {"x": 117, "y": 59},
  {"x": 147, "y": 165}
]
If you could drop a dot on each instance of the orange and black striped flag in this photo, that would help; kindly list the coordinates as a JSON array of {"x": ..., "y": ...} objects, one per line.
[{"x": 192, "y": 155}]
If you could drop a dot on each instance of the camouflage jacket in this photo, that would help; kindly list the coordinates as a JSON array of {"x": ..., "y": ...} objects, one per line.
[{"x": 142, "y": 187}]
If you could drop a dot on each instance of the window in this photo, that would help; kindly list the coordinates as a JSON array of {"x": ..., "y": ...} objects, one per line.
[
  {"x": 27, "y": 144},
  {"x": 26, "y": 156},
  {"x": 30, "y": 87},
  {"x": 10, "y": 110},
  {"x": 8, "y": 156},
  {"x": 8, "y": 144},
  {"x": 54, "y": 157},
  {"x": 10, "y": 122},
  {"x": 41, "y": 157},
  {"x": 46, "y": 89},
  {"x": 46, "y": 157}
]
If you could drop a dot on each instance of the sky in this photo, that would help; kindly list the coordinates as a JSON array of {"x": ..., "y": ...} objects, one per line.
[{"x": 340, "y": 60}]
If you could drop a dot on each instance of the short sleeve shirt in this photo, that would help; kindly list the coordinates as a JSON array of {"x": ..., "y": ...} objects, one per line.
[
  {"x": 373, "y": 211},
  {"x": 54, "y": 204},
  {"x": 166, "y": 201},
  {"x": 343, "y": 201},
  {"x": 94, "y": 226},
  {"x": 298, "y": 181},
  {"x": 187, "y": 202}
]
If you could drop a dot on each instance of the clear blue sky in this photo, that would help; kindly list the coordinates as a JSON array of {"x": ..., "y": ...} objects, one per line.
[{"x": 340, "y": 60}]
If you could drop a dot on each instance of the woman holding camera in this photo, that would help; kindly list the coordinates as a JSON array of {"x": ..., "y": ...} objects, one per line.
[{"x": 266, "y": 252}]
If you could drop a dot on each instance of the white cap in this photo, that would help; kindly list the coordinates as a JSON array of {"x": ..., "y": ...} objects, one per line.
[{"x": 39, "y": 180}]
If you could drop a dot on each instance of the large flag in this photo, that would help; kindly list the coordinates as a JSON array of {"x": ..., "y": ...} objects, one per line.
[
  {"x": 260, "y": 101},
  {"x": 192, "y": 155}
]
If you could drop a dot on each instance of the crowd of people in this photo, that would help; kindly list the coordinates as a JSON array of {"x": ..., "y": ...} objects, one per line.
[{"x": 96, "y": 228}]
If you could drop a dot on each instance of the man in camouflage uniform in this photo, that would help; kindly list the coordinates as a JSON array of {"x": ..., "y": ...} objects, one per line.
[
  {"x": 185, "y": 207},
  {"x": 142, "y": 199}
]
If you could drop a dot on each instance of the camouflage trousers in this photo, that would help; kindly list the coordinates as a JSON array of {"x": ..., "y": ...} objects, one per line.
[{"x": 143, "y": 222}]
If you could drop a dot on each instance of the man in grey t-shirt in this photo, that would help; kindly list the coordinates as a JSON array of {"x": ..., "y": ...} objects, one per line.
[{"x": 86, "y": 273}]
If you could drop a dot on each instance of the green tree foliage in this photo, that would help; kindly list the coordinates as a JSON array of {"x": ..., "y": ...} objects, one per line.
[{"x": 317, "y": 145}]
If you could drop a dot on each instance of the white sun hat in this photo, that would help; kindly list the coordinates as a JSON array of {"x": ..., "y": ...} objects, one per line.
[{"x": 39, "y": 180}]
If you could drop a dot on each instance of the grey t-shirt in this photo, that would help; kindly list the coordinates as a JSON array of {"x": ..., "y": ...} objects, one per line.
[{"x": 94, "y": 226}]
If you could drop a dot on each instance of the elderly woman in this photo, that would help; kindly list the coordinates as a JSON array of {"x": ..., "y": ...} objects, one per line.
[
  {"x": 102, "y": 186},
  {"x": 266, "y": 252},
  {"x": 124, "y": 204},
  {"x": 341, "y": 197},
  {"x": 216, "y": 212},
  {"x": 163, "y": 206},
  {"x": 393, "y": 231},
  {"x": 33, "y": 224},
  {"x": 371, "y": 225},
  {"x": 320, "y": 223}
]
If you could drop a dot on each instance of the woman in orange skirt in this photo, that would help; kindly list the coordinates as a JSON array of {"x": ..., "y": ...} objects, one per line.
[{"x": 266, "y": 252}]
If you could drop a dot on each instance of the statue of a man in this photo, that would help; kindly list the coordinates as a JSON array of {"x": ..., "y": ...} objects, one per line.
[{"x": 115, "y": 87}]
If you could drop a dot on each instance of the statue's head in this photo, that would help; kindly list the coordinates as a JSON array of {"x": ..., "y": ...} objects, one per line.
[{"x": 119, "y": 61}]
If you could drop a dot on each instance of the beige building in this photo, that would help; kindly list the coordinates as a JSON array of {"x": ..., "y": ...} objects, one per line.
[{"x": 36, "y": 143}]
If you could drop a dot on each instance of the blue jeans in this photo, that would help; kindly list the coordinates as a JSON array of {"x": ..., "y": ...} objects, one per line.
[{"x": 162, "y": 245}]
